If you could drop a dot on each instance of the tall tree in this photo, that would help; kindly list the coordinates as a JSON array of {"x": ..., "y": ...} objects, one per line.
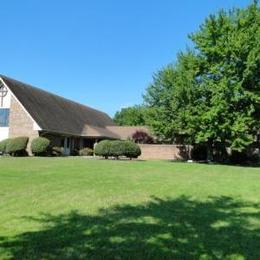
[
  {"x": 229, "y": 45},
  {"x": 131, "y": 116},
  {"x": 171, "y": 99},
  {"x": 212, "y": 94}
]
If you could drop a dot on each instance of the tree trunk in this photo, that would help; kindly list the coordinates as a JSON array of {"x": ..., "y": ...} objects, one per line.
[{"x": 210, "y": 152}]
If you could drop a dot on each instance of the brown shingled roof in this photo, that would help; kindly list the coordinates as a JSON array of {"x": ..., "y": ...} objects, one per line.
[
  {"x": 56, "y": 114},
  {"x": 95, "y": 131},
  {"x": 125, "y": 132}
]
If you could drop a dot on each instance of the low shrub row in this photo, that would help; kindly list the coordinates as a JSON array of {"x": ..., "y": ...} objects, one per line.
[
  {"x": 17, "y": 146},
  {"x": 108, "y": 148},
  {"x": 41, "y": 146}
]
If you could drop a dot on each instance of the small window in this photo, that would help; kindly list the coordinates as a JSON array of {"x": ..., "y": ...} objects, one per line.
[{"x": 4, "y": 117}]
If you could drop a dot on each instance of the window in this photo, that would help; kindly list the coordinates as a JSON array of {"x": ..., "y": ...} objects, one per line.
[{"x": 4, "y": 117}]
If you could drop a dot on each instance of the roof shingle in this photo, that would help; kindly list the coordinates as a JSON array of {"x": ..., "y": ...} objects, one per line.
[{"x": 57, "y": 114}]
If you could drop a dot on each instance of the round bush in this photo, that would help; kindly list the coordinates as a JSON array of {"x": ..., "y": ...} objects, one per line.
[
  {"x": 131, "y": 149},
  {"x": 142, "y": 137},
  {"x": 117, "y": 148},
  {"x": 103, "y": 148},
  {"x": 40, "y": 146},
  {"x": 17, "y": 146},
  {"x": 86, "y": 152},
  {"x": 3, "y": 145}
]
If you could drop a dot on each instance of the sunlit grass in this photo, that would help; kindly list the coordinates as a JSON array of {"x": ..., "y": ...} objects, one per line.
[{"x": 77, "y": 208}]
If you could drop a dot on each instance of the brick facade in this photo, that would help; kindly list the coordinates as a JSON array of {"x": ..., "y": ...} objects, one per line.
[{"x": 20, "y": 123}]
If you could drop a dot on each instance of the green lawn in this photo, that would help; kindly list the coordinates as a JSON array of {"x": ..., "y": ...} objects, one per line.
[{"x": 73, "y": 208}]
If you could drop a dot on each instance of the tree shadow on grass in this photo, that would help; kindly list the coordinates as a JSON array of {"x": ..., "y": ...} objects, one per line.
[{"x": 179, "y": 228}]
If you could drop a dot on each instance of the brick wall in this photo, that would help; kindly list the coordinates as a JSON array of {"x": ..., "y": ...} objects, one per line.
[
  {"x": 162, "y": 152},
  {"x": 20, "y": 123}
]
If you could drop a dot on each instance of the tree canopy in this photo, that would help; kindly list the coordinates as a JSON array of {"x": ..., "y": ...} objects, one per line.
[
  {"x": 131, "y": 116},
  {"x": 211, "y": 94}
]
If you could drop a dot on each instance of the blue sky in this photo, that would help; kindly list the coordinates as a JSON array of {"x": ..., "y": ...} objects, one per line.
[{"x": 100, "y": 53}]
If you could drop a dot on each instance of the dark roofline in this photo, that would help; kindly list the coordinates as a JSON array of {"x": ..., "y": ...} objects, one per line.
[
  {"x": 54, "y": 113},
  {"x": 48, "y": 92},
  {"x": 73, "y": 135}
]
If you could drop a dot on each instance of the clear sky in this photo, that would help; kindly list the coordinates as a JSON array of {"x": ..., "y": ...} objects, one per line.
[{"x": 102, "y": 53}]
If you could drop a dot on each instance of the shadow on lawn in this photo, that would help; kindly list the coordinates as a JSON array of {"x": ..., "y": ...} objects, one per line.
[{"x": 178, "y": 229}]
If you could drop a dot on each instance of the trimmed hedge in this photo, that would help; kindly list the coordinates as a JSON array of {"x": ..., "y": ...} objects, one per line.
[
  {"x": 17, "y": 146},
  {"x": 3, "y": 145},
  {"x": 40, "y": 146},
  {"x": 132, "y": 150},
  {"x": 108, "y": 148},
  {"x": 117, "y": 148},
  {"x": 86, "y": 152},
  {"x": 103, "y": 148}
]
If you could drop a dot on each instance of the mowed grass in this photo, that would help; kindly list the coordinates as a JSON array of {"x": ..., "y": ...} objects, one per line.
[{"x": 74, "y": 208}]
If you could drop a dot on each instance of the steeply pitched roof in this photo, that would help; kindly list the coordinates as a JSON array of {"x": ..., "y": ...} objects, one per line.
[{"x": 56, "y": 114}]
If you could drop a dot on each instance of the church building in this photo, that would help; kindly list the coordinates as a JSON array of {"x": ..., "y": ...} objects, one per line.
[{"x": 29, "y": 111}]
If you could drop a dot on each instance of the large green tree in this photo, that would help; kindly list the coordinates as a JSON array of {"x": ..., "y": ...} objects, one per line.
[
  {"x": 131, "y": 116},
  {"x": 172, "y": 98},
  {"x": 211, "y": 95}
]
